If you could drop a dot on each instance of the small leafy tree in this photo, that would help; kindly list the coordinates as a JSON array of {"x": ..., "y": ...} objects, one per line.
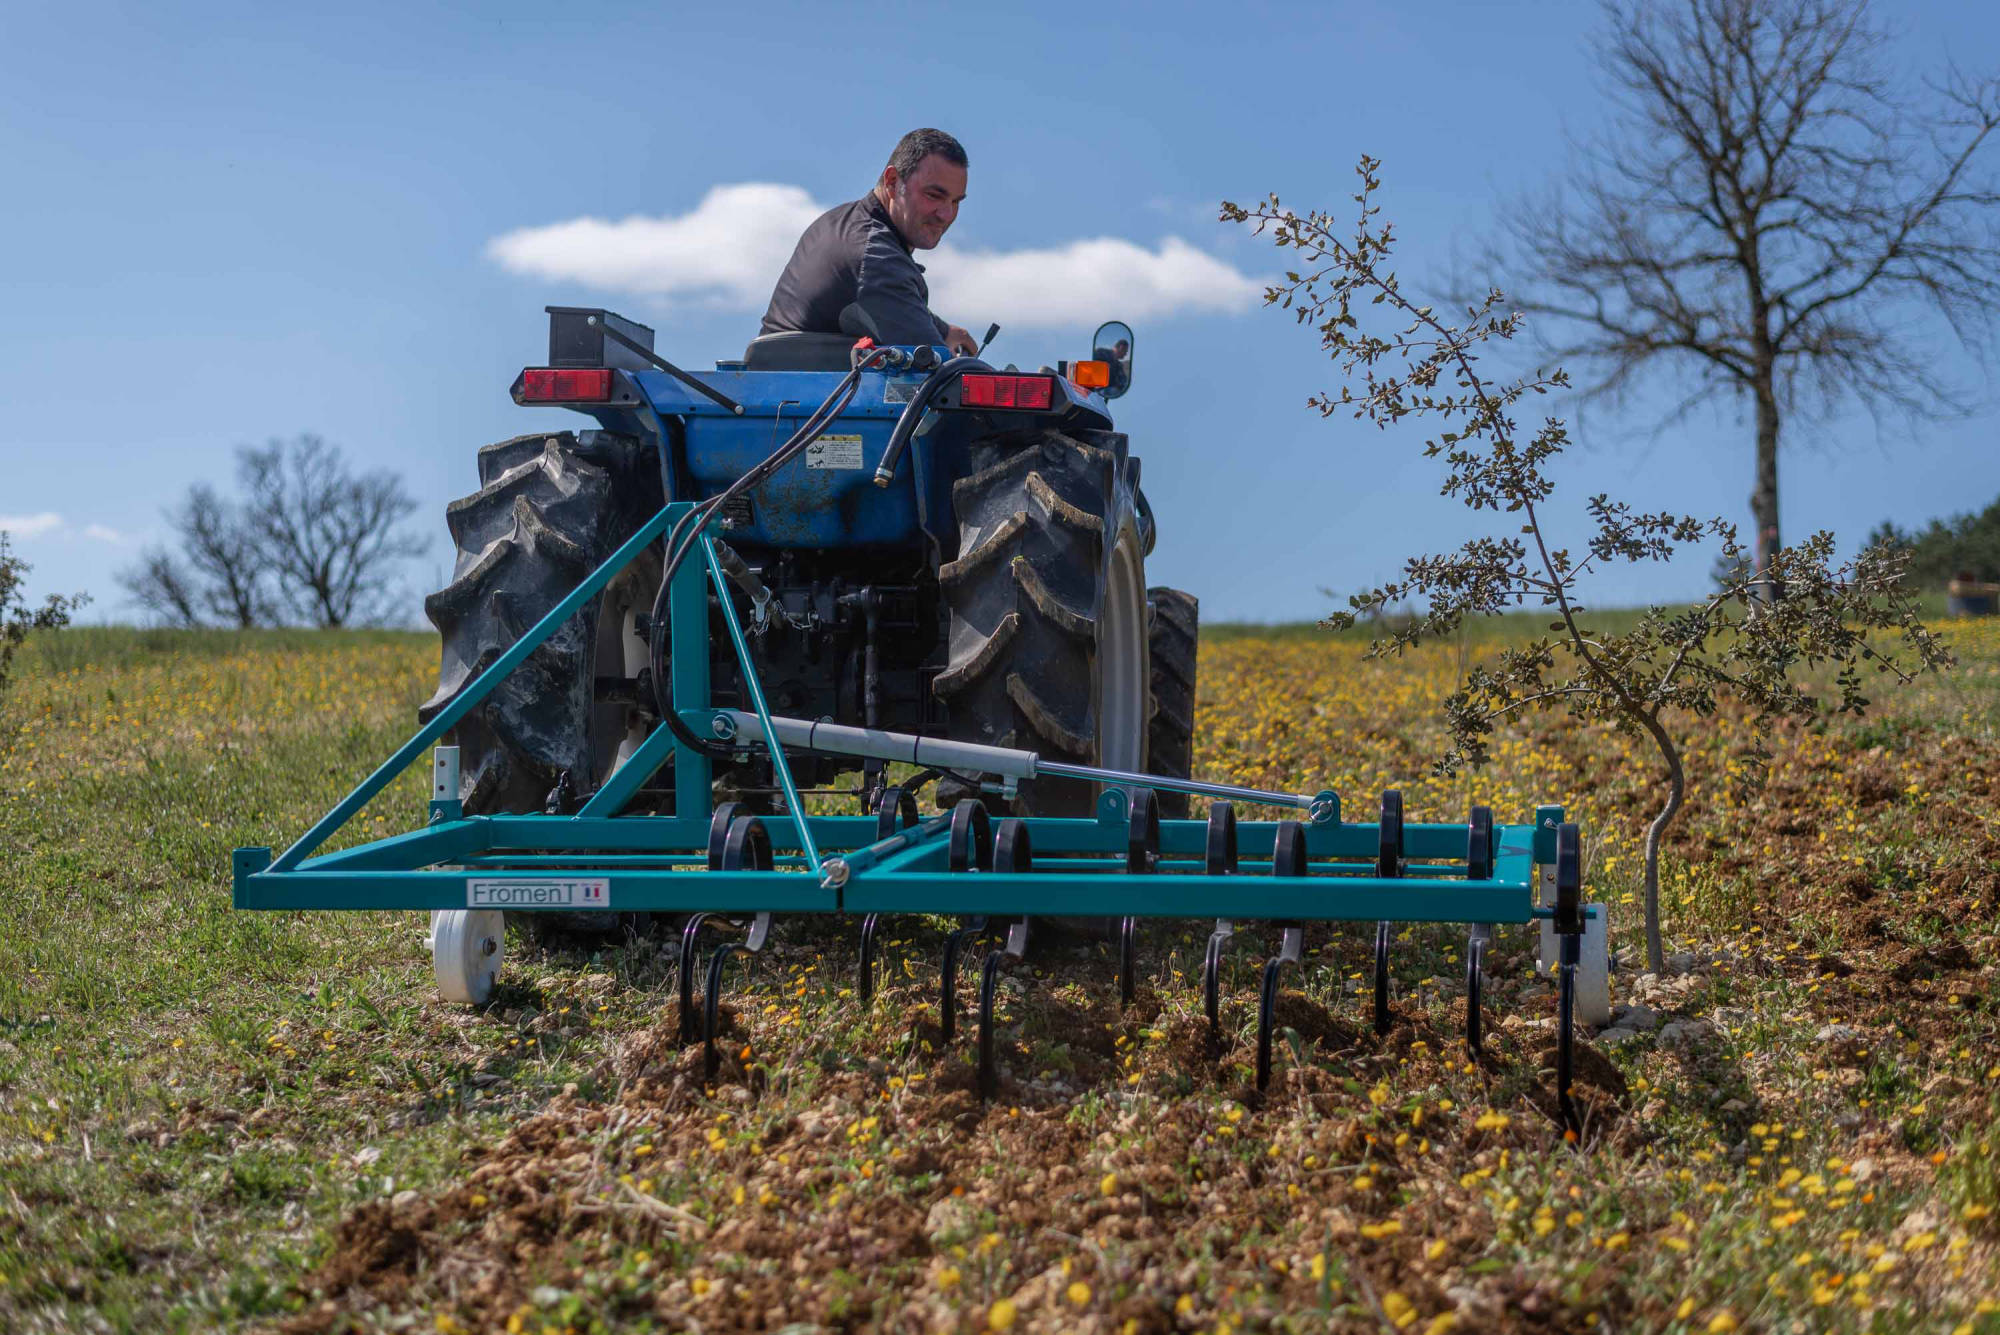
[
  {"x": 1734, "y": 645},
  {"x": 17, "y": 618}
]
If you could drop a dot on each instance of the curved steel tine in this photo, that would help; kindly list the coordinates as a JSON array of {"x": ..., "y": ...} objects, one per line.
[
  {"x": 1128, "y": 960},
  {"x": 1219, "y": 859},
  {"x": 1142, "y": 855},
  {"x": 1382, "y": 1018},
  {"x": 1475, "y": 958},
  {"x": 970, "y": 846},
  {"x": 1389, "y": 865},
  {"x": 865, "y": 979},
  {"x": 1014, "y": 852},
  {"x": 719, "y": 826},
  {"x": 1267, "y": 1001},
  {"x": 989, "y": 974},
  {"x": 711, "y": 1002},
  {"x": 746, "y": 847},
  {"x": 895, "y": 810},
  {"x": 1211, "y": 980},
  {"x": 690, "y": 953},
  {"x": 948, "y": 981}
]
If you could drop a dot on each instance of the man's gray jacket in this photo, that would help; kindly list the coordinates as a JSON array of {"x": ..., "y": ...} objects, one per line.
[{"x": 853, "y": 253}]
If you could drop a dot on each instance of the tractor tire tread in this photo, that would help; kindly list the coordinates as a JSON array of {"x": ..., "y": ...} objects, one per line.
[{"x": 1173, "y": 642}]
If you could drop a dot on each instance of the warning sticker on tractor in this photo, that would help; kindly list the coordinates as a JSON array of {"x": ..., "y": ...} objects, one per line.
[
  {"x": 587, "y": 893},
  {"x": 834, "y": 452}
]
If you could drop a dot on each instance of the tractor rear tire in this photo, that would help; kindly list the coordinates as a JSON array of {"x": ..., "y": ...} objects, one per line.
[
  {"x": 1172, "y": 639},
  {"x": 1047, "y": 599},
  {"x": 550, "y": 508}
]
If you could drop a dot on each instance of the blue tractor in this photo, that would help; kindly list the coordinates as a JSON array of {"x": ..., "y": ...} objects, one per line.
[{"x": 916, "y": 542}]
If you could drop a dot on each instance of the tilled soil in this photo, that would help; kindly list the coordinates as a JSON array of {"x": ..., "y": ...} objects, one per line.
[{"x": 844, "y": 1173}]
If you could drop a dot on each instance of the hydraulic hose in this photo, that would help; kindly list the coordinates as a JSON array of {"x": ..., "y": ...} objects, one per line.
[
  {"x": 913, "y": 413},
  {"x": 687, "y": 533}
]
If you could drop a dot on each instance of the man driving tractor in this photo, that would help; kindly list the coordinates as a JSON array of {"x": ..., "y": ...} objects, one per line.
[{"x": 864, "y": 252}]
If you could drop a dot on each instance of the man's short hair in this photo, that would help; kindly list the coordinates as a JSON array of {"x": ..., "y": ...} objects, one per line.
[{"x": 917, "y": 145}]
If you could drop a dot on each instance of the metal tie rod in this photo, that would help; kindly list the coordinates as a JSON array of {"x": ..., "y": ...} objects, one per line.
[{"x": 942, "y": 753}]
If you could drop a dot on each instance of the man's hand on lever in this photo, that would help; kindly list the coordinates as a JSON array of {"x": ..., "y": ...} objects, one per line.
[{"x": 960, "y": 342}]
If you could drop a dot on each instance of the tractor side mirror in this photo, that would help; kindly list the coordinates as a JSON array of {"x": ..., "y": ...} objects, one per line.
[{"x": 1112, "y": 344}]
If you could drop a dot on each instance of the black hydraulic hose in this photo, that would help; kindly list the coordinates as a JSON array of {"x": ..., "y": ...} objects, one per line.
[
  {"x": 687, "y": 533},
  {"x": 913, "y": 413}
]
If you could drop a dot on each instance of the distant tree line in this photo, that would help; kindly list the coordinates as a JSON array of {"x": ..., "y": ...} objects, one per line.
[
  {"x": 309, "y": 541},
  {"x": 1963, "y": 547}
]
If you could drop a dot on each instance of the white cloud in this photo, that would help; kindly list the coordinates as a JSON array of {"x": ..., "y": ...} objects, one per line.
[
  {"x": 729, "y": 249},
  {"x": 31, "y": 526},
  {"x": 1085, "y": 281},
  {"x": 49, "y": 524},
  {"x": 727, "y": 252}
]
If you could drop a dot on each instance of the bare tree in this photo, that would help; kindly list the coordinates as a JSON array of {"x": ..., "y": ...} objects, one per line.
[
  {"x": 1766, "y": 216},
  {"x": 327, "y": 535},
  {"x": 164, "y": 587},
  {"x": 220, "y": 574},
  {"x": 1408, "y": 361}
]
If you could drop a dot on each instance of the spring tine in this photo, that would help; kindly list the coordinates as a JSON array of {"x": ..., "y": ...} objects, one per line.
[
  {"x": 1475, "y": 958},
  {"x": 1013, "y": 853},
  {"x": 865, "y": 980},
  {"x": 710, "y": 1008},
  {"x": 719, "y": 826},
  {"x": 948, "y": 980},
  {"x": 746, "y": 846},
  {"x": 895, "y": 810},
  {"x": 1219, "y": 860},
  {"x": 1381, "y": 977},
  {"x": 1388, "y": 864},
  {"x": 690, "y": 954},
  {"x": 1267, "y": 1004},
  {"x": 970, "y": 847},
  {"x": 1211, "y": 981},
  {"x": 1220, "y": 854},
  {"x": 1142, "y": 855},
  {"x": 989, "y": 974}
]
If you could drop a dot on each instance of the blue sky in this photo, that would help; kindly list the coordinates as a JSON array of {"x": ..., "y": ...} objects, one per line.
[{"x": 228, "y": 223}]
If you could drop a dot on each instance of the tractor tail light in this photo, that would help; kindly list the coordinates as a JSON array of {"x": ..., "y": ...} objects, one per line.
[
  {"x": 1007, "y": 391},
  {"x": 559, "y": 384},
  {"x": 1090, "y": 375}
]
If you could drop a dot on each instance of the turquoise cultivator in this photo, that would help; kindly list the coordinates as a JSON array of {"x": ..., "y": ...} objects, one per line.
[{"x": 661, "y": 636}]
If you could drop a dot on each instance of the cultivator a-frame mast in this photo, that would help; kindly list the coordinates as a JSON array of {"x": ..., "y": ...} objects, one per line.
[{"x": 732, "y": 872}]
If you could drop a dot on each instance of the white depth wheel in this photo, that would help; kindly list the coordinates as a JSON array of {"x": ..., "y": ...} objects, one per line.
[
  {"x": 1593, "y": 970},
  {"x": 466, "y": 945}
]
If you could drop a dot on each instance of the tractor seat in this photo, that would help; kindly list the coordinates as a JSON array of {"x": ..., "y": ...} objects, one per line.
[{"x": 796, "y": 350}]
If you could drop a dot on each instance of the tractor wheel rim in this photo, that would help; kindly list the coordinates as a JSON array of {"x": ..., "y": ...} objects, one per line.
[{"x": 1121, "y": 661}]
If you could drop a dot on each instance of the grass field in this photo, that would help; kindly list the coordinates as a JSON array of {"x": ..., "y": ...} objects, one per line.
[{"x": 221, "y": 1120}]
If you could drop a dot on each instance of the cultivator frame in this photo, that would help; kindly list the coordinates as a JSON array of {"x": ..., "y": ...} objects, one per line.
[{"x": 732, "y": 871}]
